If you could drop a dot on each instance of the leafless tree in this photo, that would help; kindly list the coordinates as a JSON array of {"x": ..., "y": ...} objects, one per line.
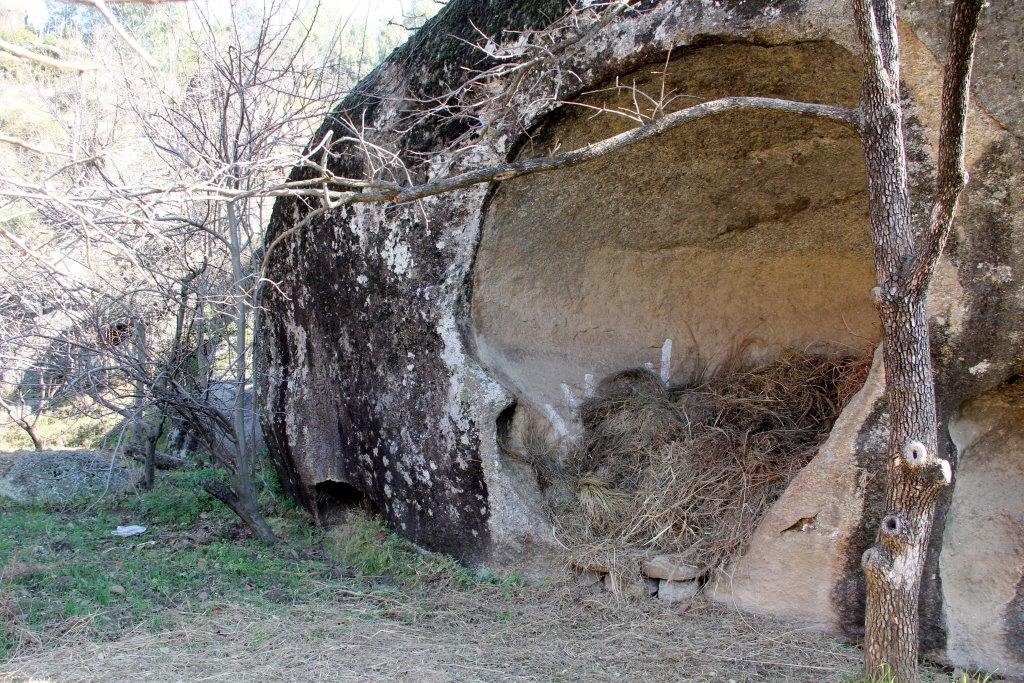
[
  {"x": 26, "y": 402},
  {"x": 188, "y": 255},
  {"x": 904, "y": 262}
]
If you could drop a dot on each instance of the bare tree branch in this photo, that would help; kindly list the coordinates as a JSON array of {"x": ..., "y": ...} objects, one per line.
[
  {"x": 19, "y": 52},
  {"x": 25, "y": 144},
  {"x": 951, "y": 173},
  {"x": 514, "y": 169},
  {"x": 104, "y": 9}
]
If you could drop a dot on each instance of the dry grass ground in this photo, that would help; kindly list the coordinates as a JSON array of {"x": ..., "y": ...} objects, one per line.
[
  {"x": 487, "y": 634},
  {"x": 197, "y": 599}
]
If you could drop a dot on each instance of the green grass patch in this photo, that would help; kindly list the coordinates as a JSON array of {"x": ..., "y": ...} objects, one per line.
[
  {"x": 61, "y": 565},
  {"x": 62, "y": 570},
  {"x": 371, "y": 550},
  {"x": 887, "y": 676}
]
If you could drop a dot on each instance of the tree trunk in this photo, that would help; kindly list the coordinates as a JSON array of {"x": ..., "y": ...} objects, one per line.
[
  {"x": 37, "y": 441},
  {"x": 142, "y": 430},
  {"x": 916, "y": 475},
  {"x": 150, "y": 458},
  {"x": 246, "y": 509},
  {"x": 893, "y": 566},
  {"x": 149, "y": 470},
  {"x": 242, "y": 470},
  {"x": 903, "y": 266}
]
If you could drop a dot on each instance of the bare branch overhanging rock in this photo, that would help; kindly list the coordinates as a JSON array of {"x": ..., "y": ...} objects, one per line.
[{"x": 521, "y": 167}]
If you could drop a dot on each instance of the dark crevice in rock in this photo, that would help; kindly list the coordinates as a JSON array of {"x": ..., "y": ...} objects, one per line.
[
  {"x": 332, "y": 496},
  {"x": 1013, "y": 618}
]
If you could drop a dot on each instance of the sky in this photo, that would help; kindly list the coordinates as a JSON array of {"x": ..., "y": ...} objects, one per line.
[
  {"x": 36, "y": 11},
  {"x": 375, "y": 10}
]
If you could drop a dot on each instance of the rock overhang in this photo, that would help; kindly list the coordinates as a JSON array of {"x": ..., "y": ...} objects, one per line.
[
  {"x": 374, "y": 372},
  {"x": 745, "y": 229}
]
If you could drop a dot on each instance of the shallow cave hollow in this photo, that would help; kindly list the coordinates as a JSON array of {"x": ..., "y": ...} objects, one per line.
[
  {"x": 737, "y": 227},
  {"x": 335, "y": 499}
]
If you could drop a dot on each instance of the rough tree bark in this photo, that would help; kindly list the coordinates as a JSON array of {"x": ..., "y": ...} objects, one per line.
[
  {"x": 903, "y": 264},
  {"x": 246, "y": 508},
  {"x": 146, "y": 434},
  {"x": 37, "y": 441}
]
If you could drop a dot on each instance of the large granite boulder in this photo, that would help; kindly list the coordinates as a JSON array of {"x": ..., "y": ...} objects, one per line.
[
  {"x": 56, "y": 477},
  {"x": 404, "y": 344}
]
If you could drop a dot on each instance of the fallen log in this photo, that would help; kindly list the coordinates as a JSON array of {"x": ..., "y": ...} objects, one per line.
[{"x": 163, "y": 461}]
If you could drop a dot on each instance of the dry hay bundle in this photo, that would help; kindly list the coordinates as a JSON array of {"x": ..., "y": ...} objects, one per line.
[{"x": 691, "y": 469}]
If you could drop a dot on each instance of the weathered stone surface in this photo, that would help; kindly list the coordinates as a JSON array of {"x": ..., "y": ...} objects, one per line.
[
  {"x": 982, "y": 560},
  {"x": 368, "y": 381},
  {"x": 998, "y": 77},
  {"x": 745, "y": 226},
  {"x": 795, "y": 561},
  {"x": 407, "y": 342},
  {"x": 40, "y": 477}
]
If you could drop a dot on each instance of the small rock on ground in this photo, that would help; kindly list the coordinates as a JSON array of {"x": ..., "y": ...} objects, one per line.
[
  {"x": 670, "y": 568},
  {"x": 677, "y": 591}
]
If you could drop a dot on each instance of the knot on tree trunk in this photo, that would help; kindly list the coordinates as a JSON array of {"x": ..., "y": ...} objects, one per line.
[
  {"x": 929, "y": 472},
  {"x": 884, "y": 298},
  {"x": 876, "y": 561},
  {"x": 895, "y": 534}
]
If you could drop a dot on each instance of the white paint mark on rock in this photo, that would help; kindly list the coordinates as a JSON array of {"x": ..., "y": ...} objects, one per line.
[
  {"x": 666, "y": 360},
  {"x": 570, "y": 398},
  {"x": 588, "y": 385},
  {"x": 556, "y": 420}
]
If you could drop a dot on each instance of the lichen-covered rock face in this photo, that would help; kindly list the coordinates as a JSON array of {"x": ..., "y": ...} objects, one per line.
[{"x": 398, "y": 338}]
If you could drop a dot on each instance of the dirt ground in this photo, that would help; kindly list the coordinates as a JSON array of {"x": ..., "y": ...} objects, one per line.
[{"x": 491, "y": 634}]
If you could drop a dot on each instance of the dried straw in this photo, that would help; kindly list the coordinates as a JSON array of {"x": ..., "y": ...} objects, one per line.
[{"x": 691, "y": 469}]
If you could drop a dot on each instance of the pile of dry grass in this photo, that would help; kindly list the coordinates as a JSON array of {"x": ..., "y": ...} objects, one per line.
[{"x": 691, "y": 469}]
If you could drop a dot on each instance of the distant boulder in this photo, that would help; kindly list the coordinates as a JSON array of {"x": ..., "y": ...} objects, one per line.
[{"x": 35, "y": 477}]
